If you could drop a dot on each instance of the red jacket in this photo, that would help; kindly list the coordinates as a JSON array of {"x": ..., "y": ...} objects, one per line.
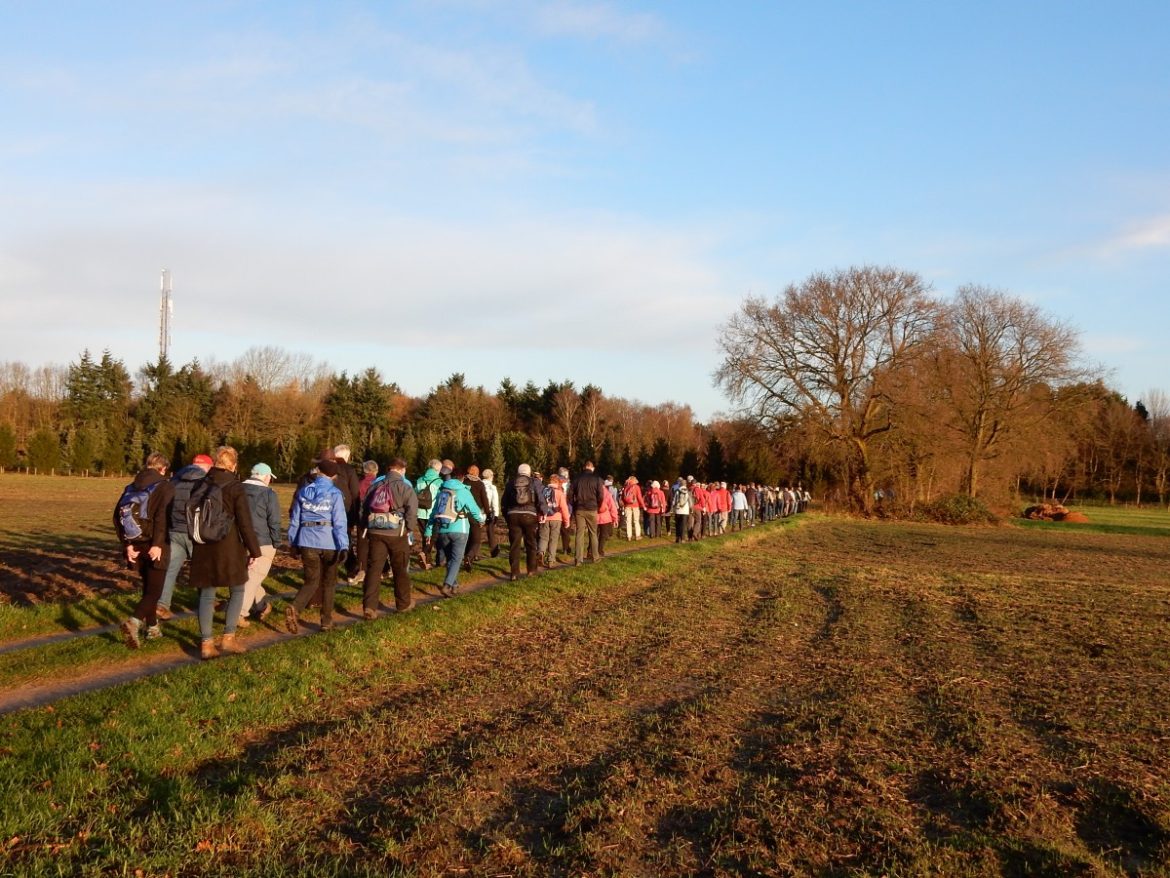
[
  {"x": 632, "y": 496},
  {"x": 608, "y": 513},
  {"x": 652, "y": 495}
]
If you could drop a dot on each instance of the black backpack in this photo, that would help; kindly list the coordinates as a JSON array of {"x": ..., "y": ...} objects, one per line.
[
  {"x": 524, "y": 495},
  {"x": 133, "y": 522},
  {"x": 208, "y": 516}
]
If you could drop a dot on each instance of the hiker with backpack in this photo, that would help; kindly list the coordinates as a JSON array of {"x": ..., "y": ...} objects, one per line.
[
  {"x": 556, "y": 517},
  {"x": 478, "y": 531},
  {"x": 448, "y": 525},
  {"x": 389, "y": 523},
  {"x": 493, "y": 511},
  {"x": 180, "y": 542},
  {"x": 524, "y": 507},
  {"x": 607, "y": 517},
  {"x": 632, "y": 505},
  {"x": 318, "y": 529},
  {"x": 140, "y": 520},
  {"x": 656, "y": 506},
  {"x": 265, "y": 506},
  {"x": 427, "y": 488},
  {"x": 361, "y": 546},
  {"x": 681, "y": 504},
  {"x": 219, "y": 521}
]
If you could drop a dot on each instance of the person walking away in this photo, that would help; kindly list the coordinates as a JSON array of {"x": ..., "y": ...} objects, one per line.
[
  {"x": 318, "y": 529},
  {"x": 632, "y": 505},
  {"x": 477, "y": 532},
  {"x": 607, "y": 517},
  {"x": 556, "y": 516},
  {"x": 389, "y": 521},
  {"x": 524, "y": 509},
  {"x": 360, "y": 546},
  {"x": 448, "y": 525},
  {"x": 567, "y": 530},
  {"x": 265, "y": 506},
  {"x": 222, "y": 563},
  {"x": 349, "y": 483},
  {"x": 180, "y": 541},
  {"x": 141, "y": 519},
  {"x": 655, "y": 499},
  {"x": 739, "y": 508},
  {"x": 427, "y": 488},
  {"x": 680, "y": 508},
  {"x": 586, "y": 494},
  {"x": 492, "y": 511}
]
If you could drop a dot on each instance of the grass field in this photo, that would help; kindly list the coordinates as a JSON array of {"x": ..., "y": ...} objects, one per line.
[{"x": 839, "y": 698}]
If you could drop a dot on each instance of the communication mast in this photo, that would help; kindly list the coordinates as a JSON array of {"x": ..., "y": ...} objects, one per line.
[{"x": 166, "y": 310}]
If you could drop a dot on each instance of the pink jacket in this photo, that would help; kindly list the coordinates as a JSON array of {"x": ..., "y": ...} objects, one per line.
[
  {"x": 562, "y": 509},
  {"x": 632, "y": 496},
  {"x": 608, "y": 513}
]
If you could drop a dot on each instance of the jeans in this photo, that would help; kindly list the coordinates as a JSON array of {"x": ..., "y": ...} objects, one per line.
[
  {"x": 181, "y": 549},
  {"x": 450, "y": 547},
  {"x": 207, "y": 610}
]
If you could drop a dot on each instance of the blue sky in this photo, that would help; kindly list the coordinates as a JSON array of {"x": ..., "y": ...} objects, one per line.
[{"x": 569, "y": 189}]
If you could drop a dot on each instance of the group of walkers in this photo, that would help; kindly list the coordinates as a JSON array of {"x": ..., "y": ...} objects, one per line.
[{"x": 343, "y": 525}]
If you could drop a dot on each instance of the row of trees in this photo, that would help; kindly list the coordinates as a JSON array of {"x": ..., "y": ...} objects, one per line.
[
  {"x": 856, "y": 383},
  {"x": 898, "y": 394}
]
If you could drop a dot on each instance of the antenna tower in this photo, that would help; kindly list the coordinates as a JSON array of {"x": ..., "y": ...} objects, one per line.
[{"x": 166, "y": 310}]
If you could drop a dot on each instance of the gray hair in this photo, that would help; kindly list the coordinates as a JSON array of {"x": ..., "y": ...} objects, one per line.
[{"x": 341, "y": 452}]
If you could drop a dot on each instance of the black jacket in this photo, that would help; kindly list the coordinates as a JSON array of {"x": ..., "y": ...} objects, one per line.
[{"x": 587, "y": 491}]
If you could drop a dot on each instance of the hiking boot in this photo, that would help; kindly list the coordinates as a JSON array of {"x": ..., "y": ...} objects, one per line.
[
  {"x": 265, "y": 609},
  {"x": 369, "y": 615},
  {"x": 207, "y": 650},
  {"x": 242, "y": 622},
  {"x": 130, "y": 633},
  {"x": 405, "y": 609},
  {"x": 327, "y": 627},
  {"x": 153, "y": 632},
  {"x": 291, "y": 623},
  {"x": 512, "y": 577},
  {"x": 229, "y": 644},
  {"x": 163, "y": 614}
]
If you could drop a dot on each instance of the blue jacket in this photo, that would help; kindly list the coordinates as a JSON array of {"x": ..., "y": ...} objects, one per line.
[
  {"x": 465, "y": 505},
  {"x": 265, "y": 512},
  {"x": 317, "y": 519}
]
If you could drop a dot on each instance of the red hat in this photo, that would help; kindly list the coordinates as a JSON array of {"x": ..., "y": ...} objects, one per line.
[{"x": 203, "y": 460}]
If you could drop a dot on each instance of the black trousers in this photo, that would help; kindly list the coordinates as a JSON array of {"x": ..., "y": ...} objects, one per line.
[
  {"x": 397, "y": 549},
  {"x": 522, "y": 525},
  {"x": 153, "y": 575},
  {"x": 604, "y": 532},
  {"x": 320, "y": 572},
  {"x": 682, "y": 525},
  {"x": 475, "y": 537}
]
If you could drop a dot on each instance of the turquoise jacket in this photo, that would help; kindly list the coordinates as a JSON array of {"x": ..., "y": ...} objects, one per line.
[
  {"x": 430, "y": 477},
  {"x": 465, "y": 505}
]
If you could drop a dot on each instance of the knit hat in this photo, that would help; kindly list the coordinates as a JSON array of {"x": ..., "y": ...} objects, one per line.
[
  {"x": 524, "y": 470},
  {"x": 203, "y": 460}
]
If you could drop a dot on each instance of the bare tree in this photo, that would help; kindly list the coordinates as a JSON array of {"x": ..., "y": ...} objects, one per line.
[
  {"x": 994, "y": 351},
  {"x": 566, "y": 411},
  {"x": 1158, "y": 405},
  {"x": 827, "y": 351}
]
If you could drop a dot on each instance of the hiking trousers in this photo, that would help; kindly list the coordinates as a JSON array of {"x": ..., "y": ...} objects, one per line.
[
  {"x": 523, "y": 526},
  {"x": 633, "y": 522},
  {"x": 550, "y": 537},
  {"x": 682, "y": 525},
  {"x": 585, "y": 523},
  {"x": 397, "y": 549},
  {"x": 320, "y": 572},
  {"x": 153, "y": 575}
]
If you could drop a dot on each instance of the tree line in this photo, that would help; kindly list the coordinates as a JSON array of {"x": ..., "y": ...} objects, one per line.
[{"x": 858, "y": 384}]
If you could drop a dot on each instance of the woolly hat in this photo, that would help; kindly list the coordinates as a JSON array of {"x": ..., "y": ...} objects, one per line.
[{"x": 524, "y": 470}]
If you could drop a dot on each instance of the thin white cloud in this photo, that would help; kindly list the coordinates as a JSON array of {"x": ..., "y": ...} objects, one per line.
[
  {"x": 595, "y": 21},
  {"x": 1149, "y": 234},
  {"x": 1111, "y": 345}
]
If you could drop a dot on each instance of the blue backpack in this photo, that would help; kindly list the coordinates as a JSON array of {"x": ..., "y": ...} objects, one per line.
[{"x": 130, "y": 514}]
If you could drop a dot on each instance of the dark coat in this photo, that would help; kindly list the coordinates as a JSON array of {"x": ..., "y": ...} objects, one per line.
[
  {"x": 225, "y": 563},
  {"x": 158, "y": 509},
  {"x": 586, "y": 491},
  {"x": 350, "y": 486}
]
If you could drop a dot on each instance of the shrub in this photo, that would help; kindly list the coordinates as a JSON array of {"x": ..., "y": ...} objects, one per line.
[{"x": 958, "y": 509}]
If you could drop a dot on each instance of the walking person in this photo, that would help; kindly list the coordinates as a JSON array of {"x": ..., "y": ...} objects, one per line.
[
  {"x": 265, "y": 506},
  {"x": 448, "y": 525},
  {"x": 680, "y": 507},
  {"x": 492, "y": 511},
  {"x": 427, "y": 488},
  {"x": 389, "y": 521},
  {"x": 477, "y": 531},
  {"x": 319, "y": 530},
  {"x": 607, "y": 516},
  {"x": 655, "y": 499},
  {"x": 225, "y": 562},
  {"x": 556, "y": 516},
  {"x": 524, "y": 508},
  {"x": 180, "y": 540},
  {"x": 586, "y": 494},
  {"x": 361, "y": 548},
  {"x": 632, "y": 505},
  {"x": 141, "y": 519}
]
